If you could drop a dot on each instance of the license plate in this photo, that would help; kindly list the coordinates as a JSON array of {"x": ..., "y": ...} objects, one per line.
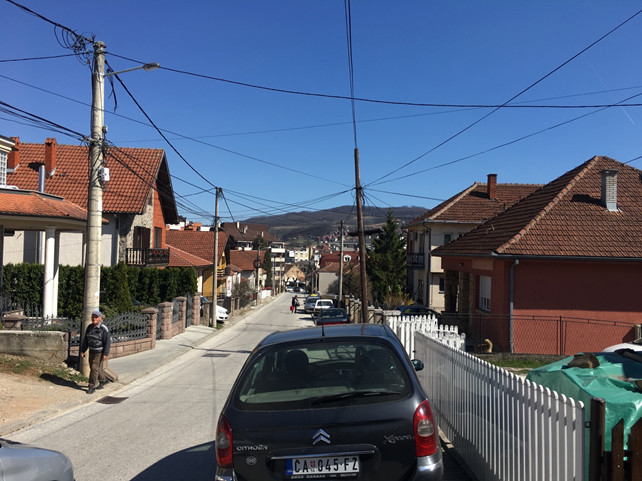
[{"x": 331, "y": 465}]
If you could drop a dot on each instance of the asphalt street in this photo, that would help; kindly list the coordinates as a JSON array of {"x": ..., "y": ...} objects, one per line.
[{"x": 160, "y": 425}]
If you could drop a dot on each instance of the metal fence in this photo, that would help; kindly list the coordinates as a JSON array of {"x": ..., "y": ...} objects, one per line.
[
  {"x": 552, "y": 335},
  {"x": 124, "y": 327},
  {"x": 504, "y": 427}
]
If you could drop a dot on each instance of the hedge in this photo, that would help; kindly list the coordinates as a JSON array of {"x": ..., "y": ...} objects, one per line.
[{"x": 121, "y": 286}]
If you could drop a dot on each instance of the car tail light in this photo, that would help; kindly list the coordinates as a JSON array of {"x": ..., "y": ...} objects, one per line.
[
  {"x": 425, "y": 430},
  {"x": 223, "y": 443}
]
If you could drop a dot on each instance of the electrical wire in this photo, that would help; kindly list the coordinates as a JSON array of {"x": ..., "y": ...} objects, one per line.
[
  {"x": 368, "y": 100},
  {"x": 541, "y": 79},
  {"x": 505, "y": 144}
]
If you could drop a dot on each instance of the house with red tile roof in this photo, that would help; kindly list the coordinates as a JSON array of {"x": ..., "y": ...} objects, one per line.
[
  {"x": 26, "y": 210},
  {"x": 447, "y": 221},
  {"x": 244, "y": 260},
  {"x": 195, "y": 248},
  {"x": 138, "y": 199},
  {"x": 242, "y": 237},
  {"x": 559, "y": 271}
]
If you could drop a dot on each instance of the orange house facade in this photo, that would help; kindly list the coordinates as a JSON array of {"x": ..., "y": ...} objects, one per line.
[{"x": 557, "y": 273}]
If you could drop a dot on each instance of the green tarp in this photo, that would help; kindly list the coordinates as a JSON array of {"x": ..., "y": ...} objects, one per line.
[{"x": 613, "y": 380}]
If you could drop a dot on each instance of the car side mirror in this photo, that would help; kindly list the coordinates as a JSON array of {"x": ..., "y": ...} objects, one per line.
[{"x": 417, "y": 364}]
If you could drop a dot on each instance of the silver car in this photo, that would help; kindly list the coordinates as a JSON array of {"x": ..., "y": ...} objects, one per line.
[{"x": 22, "y": 462}]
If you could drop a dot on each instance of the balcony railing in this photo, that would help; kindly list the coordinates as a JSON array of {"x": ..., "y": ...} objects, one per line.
[
  {"x": 146, "y": 257},
  {"x": 415, "y": 259}
]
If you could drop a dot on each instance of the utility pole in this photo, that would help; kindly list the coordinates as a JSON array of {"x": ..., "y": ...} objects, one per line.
[
  {"x": 215, "y": 273},
  {"x": 362, "y": 240},
  {"x": 91, "y": 300},
  {"x": 341, "y": 266},
  {"x": 257, "y": 264}
]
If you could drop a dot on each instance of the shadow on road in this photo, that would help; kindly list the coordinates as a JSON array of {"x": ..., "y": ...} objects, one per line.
[{"x": 196, "y": 463}]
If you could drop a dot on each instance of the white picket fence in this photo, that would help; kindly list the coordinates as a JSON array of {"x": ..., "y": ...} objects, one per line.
[
  {"x": 504, "y": 427},
  {"x": 406, "y": 326}
]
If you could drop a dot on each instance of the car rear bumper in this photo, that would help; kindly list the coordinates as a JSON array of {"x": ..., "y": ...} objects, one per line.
[
  {"x": 225, "y": 474},
  {"x": 429, "y": 468}
]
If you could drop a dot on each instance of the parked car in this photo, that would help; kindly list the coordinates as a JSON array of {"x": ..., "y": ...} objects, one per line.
[
  {"x": 633, "y": 345},
  {"x": 20, "y": 462},
  {"x": 332, "y": 402},
  {"x": 309, "y": 303},
  {"x": 418, "y": 311},
  {"x": 221, "y": 313},
  {"x": 320, "y": 305},
  {"x": 333, "y": 315}
]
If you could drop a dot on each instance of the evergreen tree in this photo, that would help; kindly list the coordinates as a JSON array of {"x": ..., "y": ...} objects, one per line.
[{"x": 386, "y": 262}]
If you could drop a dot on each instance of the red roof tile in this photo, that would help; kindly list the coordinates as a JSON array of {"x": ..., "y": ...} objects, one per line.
[
  {"x": 565, "y": 218},
  {"x": 244, "y": 260},
  {"x": 473, "y": 205},
  {"x": 242, "y": 231},
  {"x": 180, "y": 258},
  {"x": 197, "y": 243},
  {"x": 34, "y": 204},
  {"x": 133, "y": 173}
]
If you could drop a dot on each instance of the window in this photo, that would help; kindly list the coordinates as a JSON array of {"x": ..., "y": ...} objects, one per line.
[
  {"x": 158, "y": 237},
  {"x": 3, "y": 168},
  {"x": 484, "y": 293},
  {"x": 442, "y": 284},
  {"x": 447, "y": 238}
]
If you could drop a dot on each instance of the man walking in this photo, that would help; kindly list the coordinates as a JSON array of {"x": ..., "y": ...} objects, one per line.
[{"x": 98, "y": 340}]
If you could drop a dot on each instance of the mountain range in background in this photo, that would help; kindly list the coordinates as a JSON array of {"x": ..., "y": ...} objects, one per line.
[{"x": 306, "y": 225}]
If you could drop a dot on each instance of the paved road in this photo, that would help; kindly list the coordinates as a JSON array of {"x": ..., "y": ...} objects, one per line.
[{"x": 163, "y": 425}]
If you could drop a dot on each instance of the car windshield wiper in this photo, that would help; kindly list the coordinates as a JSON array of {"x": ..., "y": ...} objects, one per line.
[{"x": 353, "y": 395}]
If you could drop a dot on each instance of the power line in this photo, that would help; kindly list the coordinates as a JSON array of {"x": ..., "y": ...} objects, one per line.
[
  {"x": 505, "y": 144},
  {"x": 352, "y": 98},
  {"x": 512, "y": 98}
]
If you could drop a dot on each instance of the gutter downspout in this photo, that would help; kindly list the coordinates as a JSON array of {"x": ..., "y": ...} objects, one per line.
[{"x": 511, "y": 303}]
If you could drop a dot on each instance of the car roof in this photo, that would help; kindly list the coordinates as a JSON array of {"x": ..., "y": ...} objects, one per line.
[{"x": 328, "y": 332}]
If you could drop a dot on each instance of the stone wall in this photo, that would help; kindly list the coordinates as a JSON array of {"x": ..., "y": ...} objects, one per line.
[{"x": 44, "y": 345}]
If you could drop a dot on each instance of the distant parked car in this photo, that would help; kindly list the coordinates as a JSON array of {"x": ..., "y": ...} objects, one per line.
[
  {"x": 332, "y": 402},
  {"x": 221, "y": 313},
  {"x": 633, "y": 345},
  {"x": 418, "y": 311},
  {"x": 22, "y": 462},
  {"x": 320, "y": 305},
  {"x": 333, "y": 315},
  {"x": 309, "y": 303}
]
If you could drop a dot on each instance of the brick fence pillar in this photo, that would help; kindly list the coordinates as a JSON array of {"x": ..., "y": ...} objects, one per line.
[
  {"x": 152, "y": 319},
  {"x": 166, "y": 309},
  {"x": 196, "y": 309},
  {"x": 182, "y": 309}
]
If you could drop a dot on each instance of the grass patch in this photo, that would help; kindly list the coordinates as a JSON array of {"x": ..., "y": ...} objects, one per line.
[{"x": 36, "y": 368}]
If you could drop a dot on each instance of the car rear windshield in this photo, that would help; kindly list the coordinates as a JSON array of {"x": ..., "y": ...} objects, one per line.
[{"x": 323, "y": 374}]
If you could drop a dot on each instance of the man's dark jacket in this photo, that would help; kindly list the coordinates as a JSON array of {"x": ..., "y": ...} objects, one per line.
[{"x": 97, "y": 339}]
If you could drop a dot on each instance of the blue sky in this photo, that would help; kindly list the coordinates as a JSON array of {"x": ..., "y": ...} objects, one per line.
[{"x": 273, "y": 152}]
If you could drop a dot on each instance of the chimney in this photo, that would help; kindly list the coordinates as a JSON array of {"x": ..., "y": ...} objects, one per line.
[
  {"x": 609, "y": 189},
  {"x": 50, "y": 156},
  {"x": 492, "y": 186},
  {"x": 13, "y": 159}
]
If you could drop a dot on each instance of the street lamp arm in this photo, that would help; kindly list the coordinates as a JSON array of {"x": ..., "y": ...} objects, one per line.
[{"x": 147, "y": 67}]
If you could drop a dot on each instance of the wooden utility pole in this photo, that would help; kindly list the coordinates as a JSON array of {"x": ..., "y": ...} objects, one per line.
[
  {"x": 215, "y": 271},
  {"x": 362, "y": 240}
]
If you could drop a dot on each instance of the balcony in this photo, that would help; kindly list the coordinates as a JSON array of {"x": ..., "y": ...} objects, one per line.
[
  {"x": 415, "y": 260},
  {"x": 147, "y": 257}
]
